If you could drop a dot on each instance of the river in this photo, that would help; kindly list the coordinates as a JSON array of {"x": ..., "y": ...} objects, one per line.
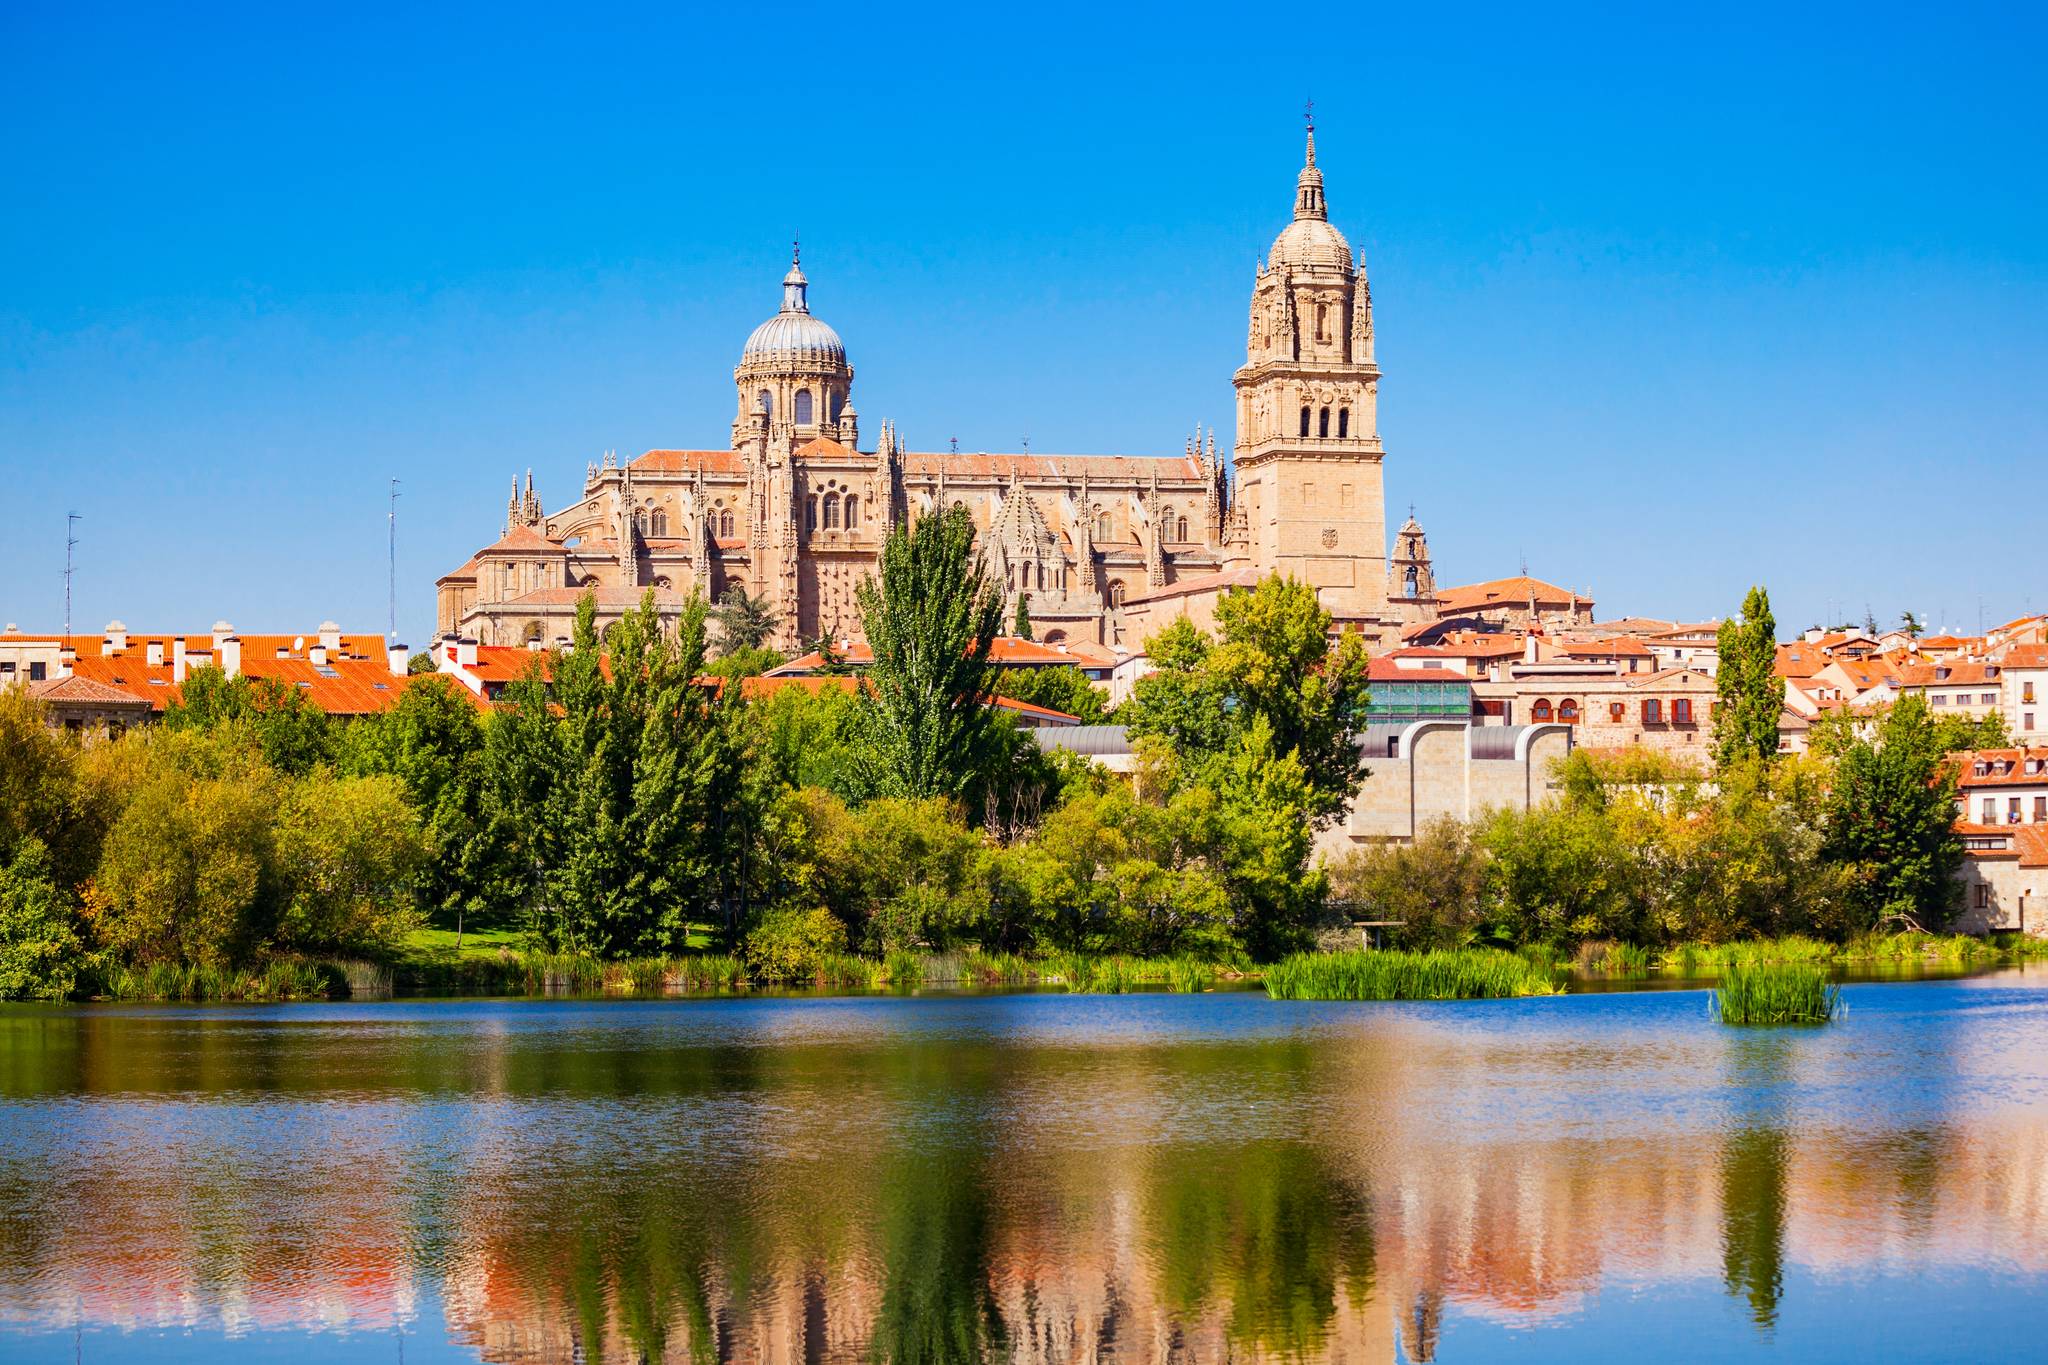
[{"x": 1033, "y": 1177}]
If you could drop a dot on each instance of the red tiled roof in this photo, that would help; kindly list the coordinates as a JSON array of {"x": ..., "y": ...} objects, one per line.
[
  {"x": 200, "y": 642},
  {"x": 1388, "y": 669},
  {"x": 1959, "y": 673},
  {"x": 522, "y": 540},
  {"x": 824, "y": 447},
  {"x": 1110, "y": 467},
  {"x": 753, "y": 689},
  {"x": 2014, "y": 775},
  {"x": 1005, "y": 651},
  {"x": 2025, "y": 656},
  {"x": 81, "y": 690},
  {"x": 1506, "y": 592},
  {"x": 683, "y": 461},
  {"x": 1208, "y": 582},
  {"x": 1619, "y": 646}
]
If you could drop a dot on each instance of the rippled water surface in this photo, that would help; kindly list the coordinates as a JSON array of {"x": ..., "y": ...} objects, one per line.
[{"x": 1029, "y": 1177}]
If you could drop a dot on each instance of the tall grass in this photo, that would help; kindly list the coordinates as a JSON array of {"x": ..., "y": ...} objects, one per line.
[
  {"x": 277, "y": 979},
  {"x": 1460, "y": 974},
  {"x": 1776, "y": 993}
]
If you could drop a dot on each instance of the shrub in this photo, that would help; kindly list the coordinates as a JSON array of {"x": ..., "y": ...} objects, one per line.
[
  {"x": 794, "y": 945},
  {"x": 1435, "y": 886}
]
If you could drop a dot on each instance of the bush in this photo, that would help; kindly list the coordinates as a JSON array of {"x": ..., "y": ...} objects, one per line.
[
  {"x": 794, "y": 945},
  {"x": 350, "y": 853},
  {"x": 1436, "y": 886}
]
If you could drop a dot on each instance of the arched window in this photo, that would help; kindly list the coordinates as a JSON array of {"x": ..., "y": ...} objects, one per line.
[
  {"x": 837, "y": 403},
  {"x": 765, "y": 402},
  {"x": 1412, "y": 581},
  {"x": 660, "y": 522},
  {"x": 1323, "y": 423},
  {"x": 1102, "y": 526},
  {"x": 1568, "y": 711},
  {"x": 1343, "y": 422},
  {"x": 1540, "y": 712},
  {"x": 1181, "y": 529},
  {"x": 1322, "y": 322},
  {"x": 1304, "y": 421},
  {"x": 725, "y": 524},
  {"x": 831, "y": 511},
  {"x": 811, "y": 513},
  {"x": 1055, "y": 637},
  {"x": 1116, "y": 594},
  {"x": 640, "y": 520},
  {"x": 852, "y": 512},
  {"x": 803, "y": 407}
]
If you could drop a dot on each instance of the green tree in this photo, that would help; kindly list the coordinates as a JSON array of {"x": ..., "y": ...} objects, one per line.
[
  {"x": 646, "y": 798},
  {"x": 433, "y": 742},
  {"x": 1020, "y": 625},
  {"x": 422, "y": 662},
  {"x": 743, "y": 663},
  {"x": 40, "y": 791},
  {"x": 350, "y": 852},
  {"x": 40, "y": 952},
  {"x": 293, "y": 735},
  {"x": 930, "y": 620},
  {"x": 1274, "y": 661},
  {"x": 1751, "y": 693},
  {"x": 1892, "y": 813},
  {"x": 1434, "y": 887},
  {"x": 1064, "y": 688},
  {"x": 744, "y": 621}
]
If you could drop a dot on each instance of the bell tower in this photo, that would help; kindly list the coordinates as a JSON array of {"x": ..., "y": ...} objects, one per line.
[{"x": 1308, "y": 449}]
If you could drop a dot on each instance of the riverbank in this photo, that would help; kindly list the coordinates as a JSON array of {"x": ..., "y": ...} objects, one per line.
[{"x": 494, "y": 966}]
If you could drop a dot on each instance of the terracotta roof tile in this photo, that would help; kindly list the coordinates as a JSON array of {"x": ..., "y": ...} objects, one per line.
[{"x": 1506, "y": 592}]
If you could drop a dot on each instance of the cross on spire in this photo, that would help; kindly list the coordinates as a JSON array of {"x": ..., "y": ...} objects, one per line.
[{"x": 796, "y": 248}]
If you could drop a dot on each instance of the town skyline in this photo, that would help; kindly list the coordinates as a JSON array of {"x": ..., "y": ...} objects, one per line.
[{"x": 1652, "y": 364}]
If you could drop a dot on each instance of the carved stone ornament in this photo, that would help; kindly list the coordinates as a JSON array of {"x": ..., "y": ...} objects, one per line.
[{"x": 1329, "y": 537}]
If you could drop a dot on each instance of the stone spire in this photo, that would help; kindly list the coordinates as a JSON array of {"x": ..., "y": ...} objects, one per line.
[
  {"x": 1308, "y": 187},
  {"x": 795, "y": 288}
]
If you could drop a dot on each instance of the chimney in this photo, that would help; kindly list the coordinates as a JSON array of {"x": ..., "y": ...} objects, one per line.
[
  {"x": 153, "y": 653},
  {"x": 317, "y": 656},
  {"x": 117, "y": 638},
  {"x": 465, "y": 652},
  {"x": 227, "y": 650},
  {"x": 66, "y": 657},
  {"x": 400, "y": 658},
  {"x": 330, "y": 637},
  {"x": 1529, "y": 649},
  {"x": 284, "y": 652},
  {"x": 178, "y": 659}
]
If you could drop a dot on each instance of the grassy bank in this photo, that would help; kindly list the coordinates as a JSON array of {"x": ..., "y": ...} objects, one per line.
[
  {"x": 1462, "y": 974},
  {"x": 1777, "y": 993},
  {"x": 277, "y": 979}
]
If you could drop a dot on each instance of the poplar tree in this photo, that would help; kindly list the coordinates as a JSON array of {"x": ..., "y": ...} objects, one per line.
[
  {"x": 930, "y": 621},
  {"x": 1751, "y": 693}
]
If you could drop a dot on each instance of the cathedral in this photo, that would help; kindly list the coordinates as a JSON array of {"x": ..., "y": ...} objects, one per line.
[{"x": 1107, "y": 547}]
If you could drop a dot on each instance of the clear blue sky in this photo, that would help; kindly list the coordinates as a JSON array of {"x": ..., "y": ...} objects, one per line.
[{"x": 1666, "y": 305}]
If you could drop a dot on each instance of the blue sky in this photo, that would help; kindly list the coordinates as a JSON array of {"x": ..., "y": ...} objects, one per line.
[{"x": 1666, "y": 304}]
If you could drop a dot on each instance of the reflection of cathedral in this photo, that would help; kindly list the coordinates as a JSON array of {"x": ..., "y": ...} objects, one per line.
[{"x": 1106, "y": 545}]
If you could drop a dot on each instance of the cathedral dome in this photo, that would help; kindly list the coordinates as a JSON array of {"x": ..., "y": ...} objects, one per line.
[
  {"x": 793, "y": 334},
  {"x": 1310, "y": 242}
]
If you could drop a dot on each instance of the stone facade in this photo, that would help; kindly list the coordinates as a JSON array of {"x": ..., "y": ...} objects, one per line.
[
  {"x": 793, "y": 510},
  {"x": 1430, "y": 769}
]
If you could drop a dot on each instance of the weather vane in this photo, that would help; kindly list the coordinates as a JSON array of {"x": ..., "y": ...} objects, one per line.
[{"x": 1308, "y": 111}]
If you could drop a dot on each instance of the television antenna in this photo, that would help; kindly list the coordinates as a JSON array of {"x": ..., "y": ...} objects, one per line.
[
  {"x": 391, "y": 520},
  {"x": 71, "y": 520}
]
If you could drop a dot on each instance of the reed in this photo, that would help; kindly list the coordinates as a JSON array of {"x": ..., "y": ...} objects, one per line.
[
  {"x": 906, "y": 970},
  {"x": 364, "y": 980},
  {"x": 274, "y": 979},
  {"x": 847, "y": 972},
  {"x": 706, "y": 972},
  {"x": 1459, "y": 974},
  {"x": 1776, "y": 993}
]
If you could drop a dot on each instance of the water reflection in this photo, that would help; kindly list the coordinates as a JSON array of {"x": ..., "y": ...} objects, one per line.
[{"x": 1023, "y": 1178}]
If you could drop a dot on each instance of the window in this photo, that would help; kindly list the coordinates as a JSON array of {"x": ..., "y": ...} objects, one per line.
[
  {"x": 1983, "y": 896},
  {"x": 1987, "y": 699},
  {"x": 1304, "y": 421},
  {"x": 811, "y": 513},
  {"x": 2012, "y": 810},
  {"x": 1940, "y": 699},
  {"x": 1322, "y": 322},
  {"x": 1681, "y": 711},
  {"x": 837, "y": 403},
  {"x": 1411, "y": 582},
  {"x": 2026, "y": 691},
  {"x": 1323, "y": 423},
  {"x": 1343, "y": 422},
  {"x": 765, "y": 402},
  {"x": 659, "y": 522},
  {"x": 2040, "y": 809},
  {"x": 1181, "y": 529},
  {"x": 1990, "y": 810},
  {"x": 852, "y": 511},
  {"x": 2027, "y": 720},
  {"x": 640, "y": 520},
  {"x": 803, "y": 407},
  {"x": 1116, "y": 594},
  {"x": 1616, "y": 710},
  {"x": 725, "y": 524},
  {"x": 1653, "y": 711},
  {"x": 1539, "y": 711},
  {"x": 831, "y": 511},
  {"x": 1102, "y": 526},
  {"x": 1568, "y": 711},
  {"x": 37, "y": 671}
]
